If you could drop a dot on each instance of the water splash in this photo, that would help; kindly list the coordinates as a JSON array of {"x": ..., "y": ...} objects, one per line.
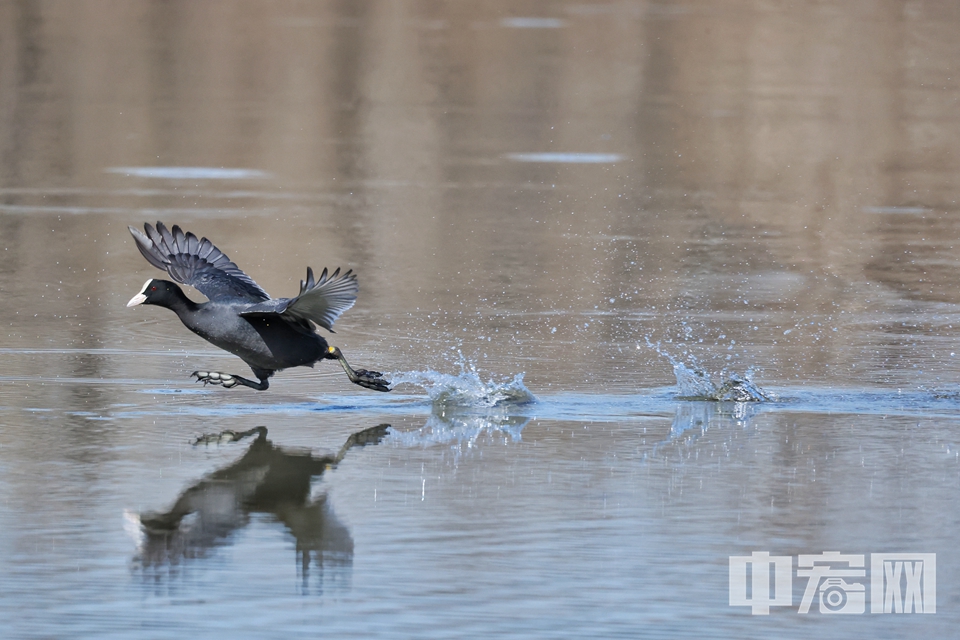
[
  {"x": 698, "y": 417},
  {"x": 693, "y": 419},
  {"x": 466, "y": 390},
  {"x": 693, "y": 383},
  {"x": 696, "y": 384},
  {"x": 461, "y": 432}
]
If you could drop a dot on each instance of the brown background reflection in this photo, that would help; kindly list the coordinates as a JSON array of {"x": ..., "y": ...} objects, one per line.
[{"x": 780, "y": 165}]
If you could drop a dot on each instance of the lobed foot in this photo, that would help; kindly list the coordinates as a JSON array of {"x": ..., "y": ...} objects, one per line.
[
  {"x": 228, "y": 380},
  {"x": 371, "y": 380},
  {"x": 215, "y": 377}
]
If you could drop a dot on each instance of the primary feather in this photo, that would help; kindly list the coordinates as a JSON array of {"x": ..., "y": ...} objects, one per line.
[
  {"x": 321, "y": 301},
  {"x": 197, "y": 263}
]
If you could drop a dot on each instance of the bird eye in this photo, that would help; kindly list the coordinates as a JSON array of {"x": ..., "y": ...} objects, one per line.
[{"x": 153, "y": 288}]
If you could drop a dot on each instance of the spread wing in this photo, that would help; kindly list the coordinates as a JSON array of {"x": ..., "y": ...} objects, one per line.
[
  {"x": 321, "y": 301},
  {"x": 197, "y": 263}
]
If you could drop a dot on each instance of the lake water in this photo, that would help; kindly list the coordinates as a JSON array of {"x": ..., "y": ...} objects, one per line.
[{"x": 573, "y": 223}]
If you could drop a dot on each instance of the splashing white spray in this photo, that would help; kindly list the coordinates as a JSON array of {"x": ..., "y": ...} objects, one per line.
[
  {"x": 693, "y": 383},
  {"x": 466, "y": 390}
]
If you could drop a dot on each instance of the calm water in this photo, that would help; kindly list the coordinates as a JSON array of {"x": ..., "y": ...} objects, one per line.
[{"x": 566, "y": 217}]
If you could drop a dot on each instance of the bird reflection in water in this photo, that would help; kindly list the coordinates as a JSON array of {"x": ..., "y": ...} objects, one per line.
[{"x": 267, "y": 479}]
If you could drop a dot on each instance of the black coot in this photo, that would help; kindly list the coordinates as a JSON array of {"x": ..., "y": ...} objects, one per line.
[{"x": 269, "y": 335}]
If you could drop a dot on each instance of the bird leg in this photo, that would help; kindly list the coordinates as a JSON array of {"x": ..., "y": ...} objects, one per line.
[
  {"x": 369, "y": 379},
  {"x": 228, "y": 381}
]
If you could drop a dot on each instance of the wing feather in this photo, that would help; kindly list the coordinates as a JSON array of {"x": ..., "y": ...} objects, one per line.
[
  {"x": 321, "y": 301},
  {"x": 197, "y": 263}
]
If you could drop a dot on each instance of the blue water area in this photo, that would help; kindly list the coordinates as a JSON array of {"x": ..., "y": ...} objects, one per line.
[{"x": 467, "y": 504}]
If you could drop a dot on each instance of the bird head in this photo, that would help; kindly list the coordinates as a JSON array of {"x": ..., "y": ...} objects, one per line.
[{"x": 159, "y": 292}]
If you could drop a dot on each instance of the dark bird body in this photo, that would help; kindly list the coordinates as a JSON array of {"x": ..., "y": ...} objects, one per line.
[{"x": 268, "y": 334}]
